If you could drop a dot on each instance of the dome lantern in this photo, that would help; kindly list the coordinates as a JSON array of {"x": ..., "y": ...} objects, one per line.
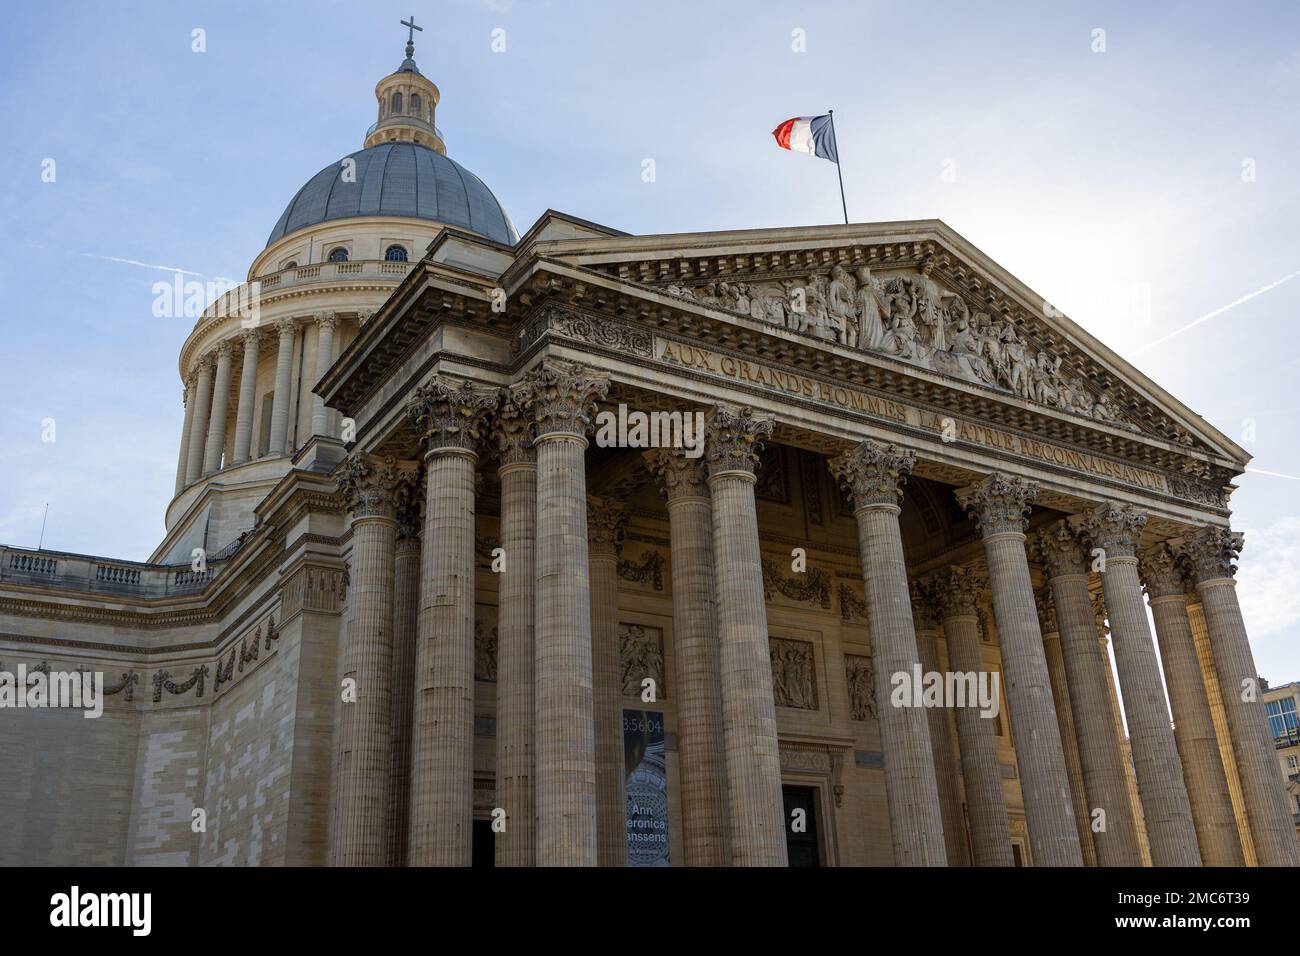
[{"x": 407, "y": 101}]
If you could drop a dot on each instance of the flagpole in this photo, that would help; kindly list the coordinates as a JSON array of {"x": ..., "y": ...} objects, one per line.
[{"x": 838, "y": 171}]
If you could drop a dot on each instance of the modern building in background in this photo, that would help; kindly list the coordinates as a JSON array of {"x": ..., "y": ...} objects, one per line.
[
  {"x": 1283, "y": 707},
  {"x": 419, "y": 603}
]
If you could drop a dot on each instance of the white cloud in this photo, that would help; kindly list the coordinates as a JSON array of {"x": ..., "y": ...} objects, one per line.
[{"x": 1268, "y": 582}]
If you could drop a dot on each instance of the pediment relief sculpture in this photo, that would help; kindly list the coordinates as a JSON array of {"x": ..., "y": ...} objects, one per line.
[{"x": 908, "y": 315}]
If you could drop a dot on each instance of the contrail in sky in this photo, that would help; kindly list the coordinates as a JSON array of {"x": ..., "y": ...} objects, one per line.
[{"x": 1219, "y": 311}]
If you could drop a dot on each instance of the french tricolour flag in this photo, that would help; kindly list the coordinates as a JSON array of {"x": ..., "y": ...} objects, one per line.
[{"x": 813, "y": 135}]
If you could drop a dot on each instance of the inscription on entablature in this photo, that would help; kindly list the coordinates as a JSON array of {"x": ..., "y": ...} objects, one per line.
[{"x": 891, "y": 410}]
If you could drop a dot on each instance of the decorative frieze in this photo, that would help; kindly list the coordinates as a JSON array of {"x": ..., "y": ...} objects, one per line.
[
  {"x": 162, "y": 681},
  {"x": 649, "y": 569},
  {"x": 313, "y": 588},
  {"x": 813, "y": 585},
  {"x": 794, "y": 680}
]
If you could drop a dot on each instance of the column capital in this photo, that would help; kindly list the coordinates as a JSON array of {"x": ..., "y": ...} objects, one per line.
[
  {"x": 1046, "y": 604},
  {"x": 1060, "y": 551},
  {"x": 192, "y": 378},
  {"x": 678, "y": 476},
  {"x": 958, "y": 590},
  {"x": 327, "y": 320},
  {"x": 251, "y": 338},
  {"x": 561, "y": 396},
  {"x": 606, "y": 519},
  {"x": 873, "y": 473},
  {"x": 286, "y": 326},
  {"x": 408, "y": 507},
  {"x": 1163, "y": 575},
  {"x": 925, "y": 607},
  {"x": 514, "y": 432},
  {"x": 364, "y": 316},
  {"x": 734, "y": 437},
  {"x": 1211, "y": 553},
  {"x": 450, "y": 416},
  {"x": 998, "y": 503},
  {"x": 1113, "y": 528},
  {"x": 370, "y": 484},
  {"x": 224, "y": 350},
  {"x": 205, "y": 362}
]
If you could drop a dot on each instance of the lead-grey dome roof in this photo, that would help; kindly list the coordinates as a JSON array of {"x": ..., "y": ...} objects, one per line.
[{"x": 399, "y": 179}]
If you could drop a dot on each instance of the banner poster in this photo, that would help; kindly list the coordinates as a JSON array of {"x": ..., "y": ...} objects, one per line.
[{"x": 645, "y": 768}]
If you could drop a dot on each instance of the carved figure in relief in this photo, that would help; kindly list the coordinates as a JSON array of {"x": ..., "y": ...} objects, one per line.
[
  {"x": 900, "y": 327},
  {"x": 840, "y": 307},
  {"x": 870, "y": 304}
]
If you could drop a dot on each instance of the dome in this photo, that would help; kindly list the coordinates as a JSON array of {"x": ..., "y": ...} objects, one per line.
[{"x": 399, "y": 179}]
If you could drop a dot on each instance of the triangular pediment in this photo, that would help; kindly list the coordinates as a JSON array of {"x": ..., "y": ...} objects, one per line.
[{"x": 914, "y": 293}]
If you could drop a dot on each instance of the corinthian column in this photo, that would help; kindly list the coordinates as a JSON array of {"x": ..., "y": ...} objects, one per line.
[
  {"x": 1101, "y": 760},
  {"x": 958, "y": 590},
  {"x": 406, "y": 618},
  {"x": 449, "y": 417},
  {"x": 701, "y": 756},
  {"x": 326, "y": 323},
  {"x": 247, "y": 395},
  {"x": 561, "y": 397},
  {"x": 283, "y": 382},
  {"x": 202, "y": 402},
  {"x": 874, "y": 475},
  {"x": 1198, "y": 746},
  {"x": 999, "y": 504},
  {"x": 220, "y": 407},
  {"x": 188, "y": 427},
  {"x": 1065, "y": 721},
  {"x": 733, "y": 439},
  {"x": 928, "y": 634},
  {"x": 1113, "y": 530},
  {"x": 1211, "y": 554},
  {"x": 365, "y": 727},
  {"x": 605, "y": 521},
  {"x": 517, "y": 845}
]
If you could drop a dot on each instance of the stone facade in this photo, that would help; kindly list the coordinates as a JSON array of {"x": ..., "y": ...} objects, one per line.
[{"x": 409, "y": 591}]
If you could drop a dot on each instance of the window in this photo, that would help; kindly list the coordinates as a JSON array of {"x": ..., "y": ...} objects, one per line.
[
  {"x": 1292, "y": 762},
  {"x": 1282, "y": 717},
  {"x": 397, "y": 102},
  {"x": 395, "y": 254},
  {"x": 291, "y": 264},
  {"x": 415, "y": 104},
  {"x": 338, "y": 254}
]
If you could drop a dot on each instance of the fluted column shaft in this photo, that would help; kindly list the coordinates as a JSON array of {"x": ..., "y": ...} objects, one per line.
[
  {"x": 560, "y": 397},
  {"x": 198, "y": 434},
  {"x": 247, "y": 396},
  {"x": 981, "y": 770},
  {"x": 605, "y": 530},
  {"x": 874, "y": 475},
  {"x": 701, "y": 755},
  {"x": 365, "y": 725},
  {"x": 220, "y": 408},
  {"x": 928, "y": 634},
  {"x": 279, "y": 444},
  {"x": 517, "y": 846},
  {"x": 184, "y": 454},
  {"x": 750, "y": 740},
  {"x": 442, "y": 755},
  {"x": 999, "y": 505},
  {"x": 1065, "y": 721},
  {"x": 1211, "y": 554},
  {"x": 1101, "y": 759},
  {"x": 406, "y": 617},
  {"x": 1198, "y": 746},
  {"x": 325, "y": 326},
  {"x": 1166, "y": 810}
]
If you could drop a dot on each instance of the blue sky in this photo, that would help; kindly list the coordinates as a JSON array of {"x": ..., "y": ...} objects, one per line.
[{"x": 1111, "y": 182}]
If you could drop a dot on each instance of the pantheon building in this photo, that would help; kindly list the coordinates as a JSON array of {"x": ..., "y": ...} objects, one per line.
[{"x": 416, "y": 606}]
